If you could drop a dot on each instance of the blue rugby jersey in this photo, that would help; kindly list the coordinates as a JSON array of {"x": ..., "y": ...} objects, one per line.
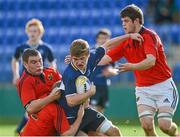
[
  {"x": 69, "y": 77},
  {"x": 43, "y": 48}
]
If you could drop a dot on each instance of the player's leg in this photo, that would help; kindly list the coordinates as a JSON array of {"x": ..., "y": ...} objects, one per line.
[
  {"x": 97, "y": 122},
  {"x": 104, "y": 127},
  {"x": 165, "y": 122},
  {"x": 100, "y": 100},
  {"x": 167, "y": 106},
  {"x": 146, "y": 109},
  {"x": 146, "y": 117},
  {"x": 109, "y": 129},
  {"x": 105, "y": 98}
]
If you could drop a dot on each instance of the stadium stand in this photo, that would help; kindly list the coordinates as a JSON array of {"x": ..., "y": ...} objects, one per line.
[{"x": 66, "y": 20}]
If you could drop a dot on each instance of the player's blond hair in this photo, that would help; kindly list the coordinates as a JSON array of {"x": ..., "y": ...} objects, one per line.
[
  {"x": 79, "y": 47},
  {"x": 35, "y": 22}
]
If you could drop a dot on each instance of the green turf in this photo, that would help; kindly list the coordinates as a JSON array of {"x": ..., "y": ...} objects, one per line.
[{"x": 127, "y": 130}]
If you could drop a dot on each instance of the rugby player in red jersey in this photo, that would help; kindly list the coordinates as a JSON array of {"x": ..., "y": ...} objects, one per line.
[
  {"x": 46, "y": 117},
  {"x": 155, "y": 88}
]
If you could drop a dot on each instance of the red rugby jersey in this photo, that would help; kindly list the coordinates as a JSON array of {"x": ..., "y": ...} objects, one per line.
[
  {"x": 47, "y": 122},
  {"x": 134, "y": 53},
  {"x": 34, "y": 87}
]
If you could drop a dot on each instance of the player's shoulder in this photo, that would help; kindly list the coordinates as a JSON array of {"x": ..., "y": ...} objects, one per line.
[
  {"x": 22, "y": 46},
  {"x": 147, "y": 31},
  {"x": 45, "y": 45},
  {"x": 26, "y": 78},
  {"x": 49, "y": 70},
  {"x": 69, "y": 71}
]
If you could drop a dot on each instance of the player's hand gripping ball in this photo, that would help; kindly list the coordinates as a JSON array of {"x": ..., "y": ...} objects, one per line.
[{"x": 82, "y": 84}]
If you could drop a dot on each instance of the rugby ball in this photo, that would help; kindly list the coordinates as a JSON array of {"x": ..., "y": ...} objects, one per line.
[{"x": 82, "y": 84}]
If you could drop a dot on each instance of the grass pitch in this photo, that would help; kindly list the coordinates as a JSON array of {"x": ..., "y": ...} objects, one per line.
[{"x": 127, "y": 130}]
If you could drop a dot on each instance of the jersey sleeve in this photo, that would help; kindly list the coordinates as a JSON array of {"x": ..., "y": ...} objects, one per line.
[
  {"x": 26, "y": 92},
  {"x": 150, "y": 45},
  {"x": 58, "y": 76},
  {"x": 96, "y": 55},
  {"x": 50, "y": 56},
  {"x": 18, "y": 52},
  {"x": 117, "y": 52}
]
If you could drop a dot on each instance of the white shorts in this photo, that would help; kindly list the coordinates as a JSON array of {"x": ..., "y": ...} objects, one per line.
[{"x": 163, "y": 94}]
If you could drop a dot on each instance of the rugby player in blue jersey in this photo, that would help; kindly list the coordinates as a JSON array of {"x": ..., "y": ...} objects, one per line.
[{"x": 84, "y": 63}]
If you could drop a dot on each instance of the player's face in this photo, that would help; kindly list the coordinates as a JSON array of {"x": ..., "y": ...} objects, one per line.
[
  {"x": 128, "y": 25},
  {"x": 34, "y": 65},
  {"x": 80, "y": 62},
  {"x": 34, "y": 33},
  {"x": 101, "y": 39}
]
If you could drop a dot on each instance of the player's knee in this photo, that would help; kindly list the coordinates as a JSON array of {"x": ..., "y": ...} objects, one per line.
[
  {"x": 116, "y": 131},
  {"x": 109, "y": 129},
  {"x": 164, "y": 125},
  {"x": 113, "y": 131},
  {"x": 147, "y": 124},
  {"x": 164, "y": 121},
  {"x": 146, "y": 119}
]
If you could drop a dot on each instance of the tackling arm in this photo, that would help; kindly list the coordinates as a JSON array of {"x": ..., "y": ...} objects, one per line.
[
  {"x": 36, "y": 105},
  {"x": 143, "y": 65},
  {"x": 75, "y": 126},
  {"x": 146, "y": 63},
  {"x": 117, "y": 40}
]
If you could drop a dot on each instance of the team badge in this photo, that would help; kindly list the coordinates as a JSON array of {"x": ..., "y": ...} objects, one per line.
[{"x": 50, "y": 76}]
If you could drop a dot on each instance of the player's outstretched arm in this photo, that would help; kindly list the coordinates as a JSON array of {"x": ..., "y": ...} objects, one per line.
[
  {"x": 143, "y": 65},
  {"x": 117, "y": 40},
  {"x": 75, "y": 126}
]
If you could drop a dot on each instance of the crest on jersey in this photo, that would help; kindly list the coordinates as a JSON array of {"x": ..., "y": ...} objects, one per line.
[{"x": 50, "y": 76}]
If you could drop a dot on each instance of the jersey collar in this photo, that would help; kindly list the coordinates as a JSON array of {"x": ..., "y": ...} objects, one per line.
[
  {"x": 142, "y": 30},
  {"x": 76, "y": 68}
]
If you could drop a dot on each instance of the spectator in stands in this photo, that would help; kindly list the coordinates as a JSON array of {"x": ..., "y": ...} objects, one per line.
[
  {"x": 155, "y": 88},
  {"x": 34, "y": 30},
  {"x": 101, "y": 98},
  {"x": 165, "y": 11}
]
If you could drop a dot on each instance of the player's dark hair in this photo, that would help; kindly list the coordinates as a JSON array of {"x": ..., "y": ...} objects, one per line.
[
  {"x": 133, "y": 12},
  {"x": 104, "y": 31},
  {"x": 79, "y": 48},
  {"x": 29, "y": 53}
]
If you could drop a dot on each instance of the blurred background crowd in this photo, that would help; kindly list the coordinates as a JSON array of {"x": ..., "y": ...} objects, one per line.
[{"x": 66, "y": 20}]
